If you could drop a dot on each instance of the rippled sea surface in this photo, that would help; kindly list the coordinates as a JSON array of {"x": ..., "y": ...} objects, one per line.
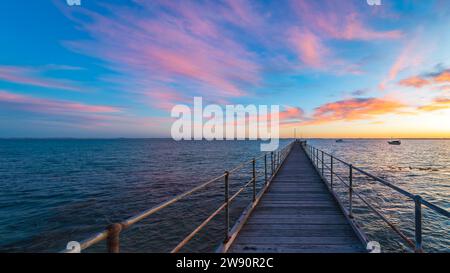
[{"x": 55, "y": 191}]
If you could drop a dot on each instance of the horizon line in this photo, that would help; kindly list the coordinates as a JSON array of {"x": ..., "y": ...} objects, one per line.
[{"x": 282, "y": 138}]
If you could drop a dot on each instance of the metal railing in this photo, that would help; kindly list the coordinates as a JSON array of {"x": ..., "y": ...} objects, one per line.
[
  {"x": 112, "y": 233},
  {"x": 317, "y": 158}
]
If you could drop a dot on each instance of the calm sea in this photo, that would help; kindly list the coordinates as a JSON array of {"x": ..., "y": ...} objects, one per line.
[{"x": 54, "y": 191}]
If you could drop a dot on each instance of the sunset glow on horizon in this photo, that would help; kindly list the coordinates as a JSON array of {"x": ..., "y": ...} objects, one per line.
[{"x": 338, "y": 69}]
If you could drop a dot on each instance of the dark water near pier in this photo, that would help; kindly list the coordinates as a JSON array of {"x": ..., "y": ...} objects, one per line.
[{"x": 54, "y": 191}]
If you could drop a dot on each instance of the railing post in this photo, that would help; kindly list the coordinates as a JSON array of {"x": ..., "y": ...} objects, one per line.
[
  {"x": 271, "y": 161},
  {"x": 317, "y": 158},
  {"x": 350, "y": 192},
  {"x": 277, "y": 155},
  {"x": 313, "y": 155},
  {"x": 113, "y": 239},
  {"x": 227, "y": 209},
  {"x": 322, "y": 163},
  {"x": 274, "y": 161},
  {"x": 254, "y": 180},
  {"x": 418, "y": 225},
  {"x": 265, "y": 168},
  {"x": 331, "y": 173}
]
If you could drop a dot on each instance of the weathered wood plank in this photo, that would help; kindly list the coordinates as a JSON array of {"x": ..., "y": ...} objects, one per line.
[
  {"x": 300, "y": 248},
  {"x": 309, "y": 240},
  {"x": 298, "y": 220},
  {"x": 280, "y": 232},
  {"x": 314, "y": 227}
]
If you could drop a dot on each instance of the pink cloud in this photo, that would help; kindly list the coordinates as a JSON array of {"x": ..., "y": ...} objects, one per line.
[
  {"x": 56, "y": 107},
  {"x": 186, "y": 44},
  {"x": 338, "y": 20},
  {"x": 408, "y": 57},
  {"x": 309, "y": 47},
  {"x": 165, "y": 98},
  {"x": 28, "y": 76},
  {"x": 353, "y": 29}
]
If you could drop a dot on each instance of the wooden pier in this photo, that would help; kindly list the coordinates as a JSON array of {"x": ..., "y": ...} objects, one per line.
[
  {"x": 297, "y": 214},
  {"x": 296, "y": 210}
]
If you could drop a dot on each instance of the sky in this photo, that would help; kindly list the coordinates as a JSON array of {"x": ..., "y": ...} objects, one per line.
[{"x": 116, "y": 68}]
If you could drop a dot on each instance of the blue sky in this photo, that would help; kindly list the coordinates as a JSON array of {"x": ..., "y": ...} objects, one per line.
[{"x": 115, "y": 68}]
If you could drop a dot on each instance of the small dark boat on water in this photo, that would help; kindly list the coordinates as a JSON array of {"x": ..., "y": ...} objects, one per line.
[
  {"x": 339, "y": 140},
  {"x": 394, "y": 142}
]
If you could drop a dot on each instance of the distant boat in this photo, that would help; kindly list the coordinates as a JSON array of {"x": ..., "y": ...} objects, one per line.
[
  {"x": 395, "y": 142},
  {"x": 339, "y": 140}
]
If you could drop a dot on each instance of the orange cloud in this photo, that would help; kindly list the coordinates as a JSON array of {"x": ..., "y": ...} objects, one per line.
[
  {"x": 420, "y": 81},
  {"x": 437, "y": 104},
  {"x": 353, "y": 109},
  {"x": 291, "y": 113},
  {"x": 443, "y": 77},
  {"x": 415, "y": 81}
]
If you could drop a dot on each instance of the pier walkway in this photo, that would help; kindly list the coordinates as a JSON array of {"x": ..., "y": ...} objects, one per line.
[{"x": 297, "y": 214}]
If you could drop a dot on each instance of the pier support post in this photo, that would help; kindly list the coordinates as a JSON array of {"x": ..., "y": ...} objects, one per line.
[
  {"x": 254, "y": 180},
  {"x": 350, "y": 192},
  {"x": 113, "y": 240},
  {"x": 227, "y": 208},
  {"x": 418, "y": 223}
]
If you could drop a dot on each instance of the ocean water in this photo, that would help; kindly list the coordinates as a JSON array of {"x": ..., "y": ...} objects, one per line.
[{"x": 58, "y": 190}]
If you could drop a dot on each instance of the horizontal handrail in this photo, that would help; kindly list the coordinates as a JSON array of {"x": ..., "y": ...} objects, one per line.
[
  {"x": 282, "y": 153},
  {"x": 232, "y": 234},
  {"x": 205, "y": 222},
  {"x": 313, "y": 154},
  {"x": 111, "y": 234},
  {"x": 386, "y": 183},
  {"x": 151, "y": 211}
]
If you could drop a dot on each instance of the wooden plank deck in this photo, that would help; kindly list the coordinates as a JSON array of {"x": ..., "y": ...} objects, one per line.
[{"x": 297, "y": 214}]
